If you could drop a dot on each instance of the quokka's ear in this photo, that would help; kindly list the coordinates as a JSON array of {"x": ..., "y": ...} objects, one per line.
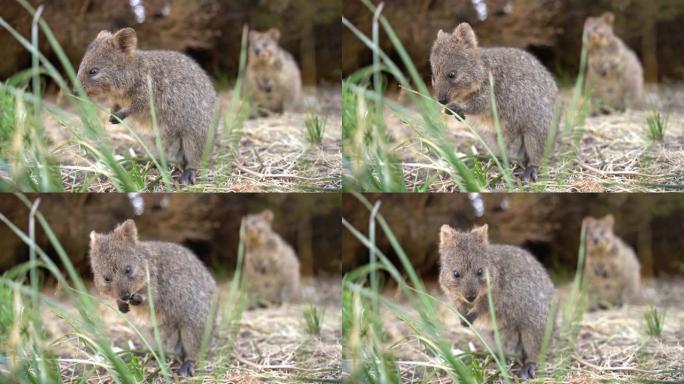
[
  {"x": 447, "y": 235},
  {"x": 465, "y": 35},
  {"x": 94, "y": 237},
  {"x": 608, "y": 220},
  {"x": 442, "y": 35},
  {"x": 125, "y": 40},
  {"x": 103, "y": 35},
  {"x": 274, "y": 33},
  {"x": 482, "y": 233},
  {"x": 608, "y": 17},
  {"x": 127, "y": 231},
  {"x": 268, "y": 215}
]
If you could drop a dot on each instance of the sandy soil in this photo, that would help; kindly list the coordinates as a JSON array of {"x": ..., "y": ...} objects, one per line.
[
  {"x": 271, "y": 343},
  {"x": 612, "y": 344}
]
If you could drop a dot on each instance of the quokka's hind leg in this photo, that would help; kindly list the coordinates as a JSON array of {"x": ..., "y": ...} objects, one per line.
[
  {"x": 531, "y": 340},
  {"x": 190, "y": 337},
  {"x": 533, "y": 142},
  {"x": 192, "y": 154}
]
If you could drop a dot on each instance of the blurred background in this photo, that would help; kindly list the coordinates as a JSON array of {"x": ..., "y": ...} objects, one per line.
[
  {"x": 208, "y": 224},
  {"x": 546, "y": 224},
  {"x": 550, "y": 29},
  {"x": 208, "y": 30}
]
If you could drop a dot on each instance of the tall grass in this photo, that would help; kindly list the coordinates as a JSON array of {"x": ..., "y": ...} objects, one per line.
[
  {"x": 656, "y": 125},
  {"x": 368, "y": 350},
  {"x": 30, "y": 356},
  {"x": 654, "y": 319}
]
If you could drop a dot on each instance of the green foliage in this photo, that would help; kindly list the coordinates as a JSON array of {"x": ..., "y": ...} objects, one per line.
[
  {"x": 313, "y": 318},
  {"x": 315, "y": 127},
  {"x": 656, "y": 124},
  {"x": 654, "y": 321}
]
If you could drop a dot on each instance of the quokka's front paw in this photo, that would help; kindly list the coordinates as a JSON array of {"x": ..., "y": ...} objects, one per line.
[
  {"x": 136, "y": 299},
  {"x": 123, "y": 306},
  {"x": 116, "y": 116}
]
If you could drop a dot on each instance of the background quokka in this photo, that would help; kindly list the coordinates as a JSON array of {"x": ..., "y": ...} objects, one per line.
[
  {"x": 184, "y": 97},
  {"x": 520, "y": 287},
  {"x": 181, "y": 287},
  {"x": 525, "y": 93},
  {"x": 271, "y": 265},
  {"x": 273, "y": 77},
  {"x": 614, "y": 72},
  {"x": 611, "y": 271}
]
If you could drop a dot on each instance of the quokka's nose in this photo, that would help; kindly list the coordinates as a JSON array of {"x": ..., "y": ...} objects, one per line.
[
  {"x": 471, "y": 297},
  {"x": 442, "y": 99},
  {"x": 257, "y": 51}
]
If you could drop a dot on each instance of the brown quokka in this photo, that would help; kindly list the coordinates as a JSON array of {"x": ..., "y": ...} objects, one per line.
[
  {"x": 273, "y": 77},
  {"x": 184, "y": 97},
  {"x": 520, "y": 287},
  {"x": 524, "y": 90},
  {"x": 614, "y": 73},
  {"x": 611, "y": 269},
  {"x": 271, "y": 265},
  {"x": 181, "y": 287}
]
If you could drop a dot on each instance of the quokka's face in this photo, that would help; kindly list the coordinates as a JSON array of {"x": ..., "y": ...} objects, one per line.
[
  {"x": 117, "y": 262},
  {"x": 464, "y": 264},
  {"x": 106, "y": 62},
  {"x": 599, "y": 30},
  {"x": 456, "y": 66},
  {"x": 263, "y": 46},
  {"x": 599, "y": 233},
  {"x": 258, "y": 226}
]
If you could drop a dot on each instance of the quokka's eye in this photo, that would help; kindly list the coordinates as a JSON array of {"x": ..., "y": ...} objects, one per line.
[
  {"x": 107, "y": 279},
  {"x": 456, "y": 274},
  {"x": 94, "y": 71},
  {"x": 128, "y": 270},
  {"x": 479, "y": 272},
  {"x": 452, "y": 74}
]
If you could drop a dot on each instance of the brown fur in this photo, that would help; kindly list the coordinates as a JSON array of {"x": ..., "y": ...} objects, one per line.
[
  {"x": 524, "y": 90},
  {"x": 520, "y": 287},
  {"x": 184, "y": 97},
  {"x": 611, "y": 271},
  {"x": 271, "y": 265},
  {"x": 614, "y": 72},
  {"x": 182, "y": 289},
  {"x": 273, "y": 77}
]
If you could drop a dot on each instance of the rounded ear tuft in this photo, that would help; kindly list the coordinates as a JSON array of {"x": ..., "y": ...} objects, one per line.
[
  {"x": 103, "y": 35},
  {"x": 447, "y": 234},
  {"x": 442, "y": 35},
  {"x": 609, "y": 220},
  {"x": 268, "y": 215},
  {"x": 274, "y": 33},
  {"x": 465, "y": 35},
  {"x": 482, "y": 233},
  {"x": 125, "y": 40},
  {"x": 127, "y": 231},
  {"x": 608, "y": 17}
]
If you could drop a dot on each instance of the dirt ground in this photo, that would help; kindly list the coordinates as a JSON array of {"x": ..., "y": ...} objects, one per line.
[
  {"x": 612, "y": 344},
  {"x": 614, "y": 154},
  {"x": 271, "y": 344},
  {"x": 273, "y": 154}
]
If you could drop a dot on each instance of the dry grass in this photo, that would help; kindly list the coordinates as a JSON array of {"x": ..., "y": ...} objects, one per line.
[
  {"x": 273, "y": 154},
  {"x": 612, "y": 345},
  {"x": 271, "y": 344},
  {"x": 614, "y": 154}
]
